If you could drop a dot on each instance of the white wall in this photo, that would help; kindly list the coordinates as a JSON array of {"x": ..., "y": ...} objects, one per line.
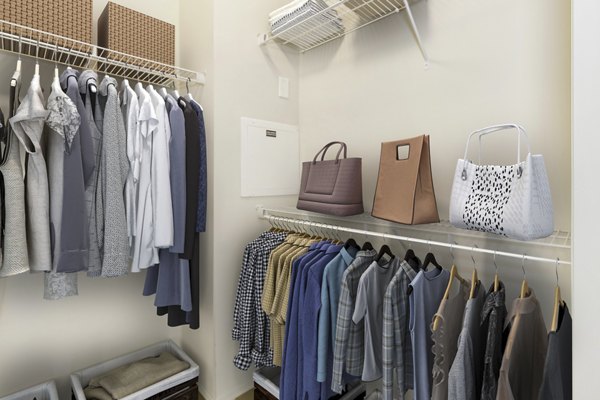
[
  {"x": 245, "y": 86},
  {"x": 586, "y": 196},
  {"x": 492, "y": 61},
  {"x": 41, "y": 339}
]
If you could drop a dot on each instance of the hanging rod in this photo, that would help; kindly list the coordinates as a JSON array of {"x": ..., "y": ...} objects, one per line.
[
  {"x": 34, "y": 43},
  {"x": 385, "y": 236}
]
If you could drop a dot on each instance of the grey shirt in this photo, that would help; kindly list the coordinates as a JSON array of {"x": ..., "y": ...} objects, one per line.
[
  {"x": 445, "y": 337},
  {"x": 369, "y": 305},
  {"x": 112, "y": 175},
  {"x": 557, "y": 383},
  {"x": 525, "y": 351},
  {"x": 28, "y": 126},
  {"x": 428, "y": 288},
  {"x": 464, "y": 379},
  {"x": 178, "y": 173}
]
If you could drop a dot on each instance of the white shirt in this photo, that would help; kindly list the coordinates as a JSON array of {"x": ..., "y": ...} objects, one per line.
[
  {"x": 144, "y": 252},
  {"x": 131, "y": 111},
  {"x": 161, "y": 174}
]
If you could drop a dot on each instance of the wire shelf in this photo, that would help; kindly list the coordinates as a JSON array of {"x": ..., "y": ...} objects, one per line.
[
  {"x": 30, "y": 42},
  {"x": 312, "y": 27}
]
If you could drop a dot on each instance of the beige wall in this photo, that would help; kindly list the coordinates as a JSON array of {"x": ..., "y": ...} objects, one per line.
[
  {"x": 43, "y": 339},
  {"x": 492, "y": 61}
]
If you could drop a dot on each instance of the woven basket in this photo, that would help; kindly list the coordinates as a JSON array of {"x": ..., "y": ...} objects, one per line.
[
  {"x": 131, "y": 32},
  {"x": 68, "y": 18}
]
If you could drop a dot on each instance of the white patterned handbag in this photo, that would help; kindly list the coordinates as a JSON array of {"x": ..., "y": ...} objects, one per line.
[{"x": 511, "y": 200}]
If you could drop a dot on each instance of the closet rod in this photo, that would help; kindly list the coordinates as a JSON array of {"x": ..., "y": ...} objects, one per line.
[
  {"x": 414, "y": 240},
  {"x": 20, "y": 39}
]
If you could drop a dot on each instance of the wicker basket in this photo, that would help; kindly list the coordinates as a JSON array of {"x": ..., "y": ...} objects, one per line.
[
  {"x": 68, "y": 18},
  {"x": 131, "y": 32}
]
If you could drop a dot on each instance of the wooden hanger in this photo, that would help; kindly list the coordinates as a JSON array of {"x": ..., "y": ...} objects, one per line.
[
  {"x": 524, "y": 285},
  {"x": 558, "y": 303},
  {"x": 453, "y": 275},
  {"x": 496, "y": 279},
  {"x": 474, "y": 278}
]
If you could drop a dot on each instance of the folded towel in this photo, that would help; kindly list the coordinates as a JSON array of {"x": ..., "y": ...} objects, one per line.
[{"x": 128, "y": 379}]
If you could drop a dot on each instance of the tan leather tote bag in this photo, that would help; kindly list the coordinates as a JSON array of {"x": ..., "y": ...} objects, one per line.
[
  {"x": 404, "y": 191},
  {"x": 332, "y": 186}
]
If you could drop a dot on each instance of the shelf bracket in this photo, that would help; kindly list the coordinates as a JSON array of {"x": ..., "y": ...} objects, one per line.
[{"x": 416, "y": 32}]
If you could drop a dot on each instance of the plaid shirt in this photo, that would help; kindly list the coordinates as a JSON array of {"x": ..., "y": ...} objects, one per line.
[
  {"x": 349, "y": 343},
  {"x": 397, "y": 348},
  {"x": 251, "y": 325}
]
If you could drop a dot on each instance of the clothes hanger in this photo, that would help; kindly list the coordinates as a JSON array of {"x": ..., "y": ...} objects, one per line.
[
  {"x": 430, "y": 259},
  {"x": 367, "y": 246},
  {"x": 188, "y": 95},
  {"x": 17, "y": 74},
  {"x": 558, "y": 302},
  {"x": 351, "y": 243},
  {"x": 524, "y": 284},
  {"x": 496, "y": 279},
  {"x": 56, "y": 63},
  {"x": 385, "y": 249},
  {"x": 37, "y": 61},
  {"x": 474, "y": 278},
  {"x": 175, "y": 92},
  {"x": 453, "y": 275}
]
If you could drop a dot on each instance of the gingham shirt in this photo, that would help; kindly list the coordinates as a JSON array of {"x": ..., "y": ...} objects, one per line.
[
  {"x": 251, "y": 325},
  {"x": 397, "y": 348},
  {"x": 349, "y": 343}
]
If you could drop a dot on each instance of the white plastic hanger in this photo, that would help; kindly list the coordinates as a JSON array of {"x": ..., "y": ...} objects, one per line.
[
  {"x": 56, "y": 63},
  {"x": 189, "y": 94},
  {"x": 37, "y": 61},
  {"x": 17, "y": 74},
  {"x": 163, "y": 92}
]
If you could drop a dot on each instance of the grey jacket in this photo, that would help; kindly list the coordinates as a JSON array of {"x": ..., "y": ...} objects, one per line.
[{"x": 112, "y": 175}]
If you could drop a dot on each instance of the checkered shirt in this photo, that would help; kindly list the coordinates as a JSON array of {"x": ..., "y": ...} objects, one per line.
[
  {"x": 349, "y": 346},
  {"x": 251, "y": 325},
  {"x": 397, "y": 346}
]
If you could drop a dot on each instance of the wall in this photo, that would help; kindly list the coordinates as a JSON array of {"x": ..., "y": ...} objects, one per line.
[
  {"x": 50, "y": 339},
  {"x": 586, "y": 102},
  {"x": 492, "y": 62}
]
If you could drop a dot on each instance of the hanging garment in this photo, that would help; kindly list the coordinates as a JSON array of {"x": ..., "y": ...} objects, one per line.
[
  {"x": 76, "y": 87},
  {"x": 369, "y": 305},
  {"x": 310, "y": 306},
  {"x": 428, "y": 288},
  {"x": 330, "y": 296},
  {"x": 144, "y": 252},
  {"x": 28, "y": 126},
  {"x": 192, "y": 161},
  {"x": 112, "y": 175},
  {"x": 557, "y": 382},
  {"x": 445, "y": 338},
  {"x": 191, "y": 250},
  {"x": 202, "y": 178},
  {"x": 492, "y": 321},
  {"x": 170, "y": 281},
  {"x": 397, "y": 346},
  {"x": 15, "y": 256},
  {"x": 290, "y": 386},
  {"x": 250, "y": 323},
  {"x": 66, "y": 183},
  {"x": 131, "y": 110},
  {"x": 178, "y": 173},
  {"x": 348, "y": 352},
  {"x": 522, "y": 367},
  {"x": 466, "y": 372},
  {"x": 161, "y": 181}
]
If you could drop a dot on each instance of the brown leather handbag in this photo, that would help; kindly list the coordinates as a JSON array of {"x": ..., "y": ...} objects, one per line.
[
  {"x": 404, "y": 191},
  {"x": 332, "y": 186}
]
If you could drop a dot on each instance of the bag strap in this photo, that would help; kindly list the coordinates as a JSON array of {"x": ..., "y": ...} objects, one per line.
[
  {"x": 495, "y": 128},
  {"x": 323, "y": 151}
]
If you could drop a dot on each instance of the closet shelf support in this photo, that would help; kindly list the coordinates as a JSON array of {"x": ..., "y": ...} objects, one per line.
[
  {"x": 416, "y": 32},
  {"x": 266, "y": 214}
]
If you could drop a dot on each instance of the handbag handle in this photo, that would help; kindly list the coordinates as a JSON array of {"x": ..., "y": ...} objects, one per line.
[
  {"x": 326, "y": 147},
  {"x": 495, "y": 128}
]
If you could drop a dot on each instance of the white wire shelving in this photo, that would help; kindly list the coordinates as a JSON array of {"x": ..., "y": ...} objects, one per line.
[
  {"x": 311, "y": 28},
  {"x": 440, "y": 235},
  {"x": 30, "y": 42}
]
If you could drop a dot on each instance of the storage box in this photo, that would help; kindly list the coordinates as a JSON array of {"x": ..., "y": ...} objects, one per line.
[
  {"x": 69, "y": 18},
  {"x": 44, "y": 391},
  {"x": 179, "y": 386},
  {"x": 131, "y": 32}
]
